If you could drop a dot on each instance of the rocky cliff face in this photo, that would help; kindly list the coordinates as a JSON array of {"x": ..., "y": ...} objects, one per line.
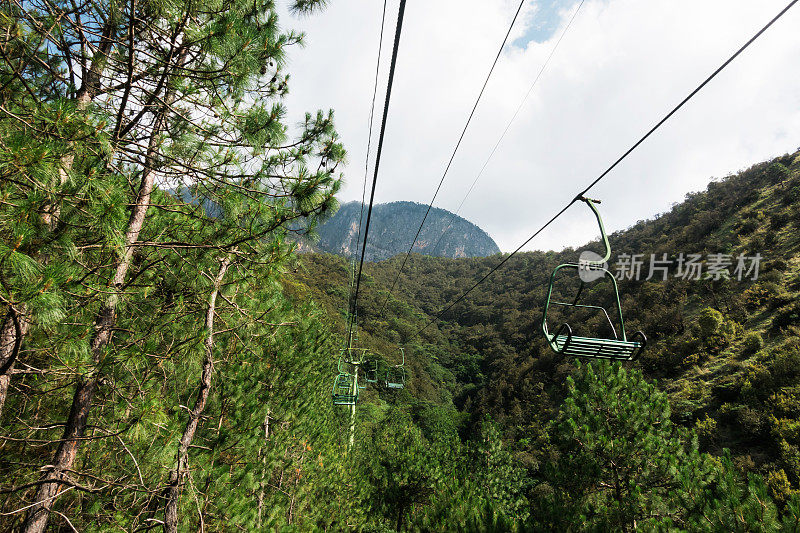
[{"x": 393, "y": 227}]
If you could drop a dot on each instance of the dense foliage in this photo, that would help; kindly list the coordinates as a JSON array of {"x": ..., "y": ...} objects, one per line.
[{"x": 149, "y": 360}]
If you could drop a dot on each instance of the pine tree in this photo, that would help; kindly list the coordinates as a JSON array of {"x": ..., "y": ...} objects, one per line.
[
  {"x": 619, "y": 463},
  {"x": 398, "y": 469},
  {"x": 181, "y": 97},
  {"x": 736, "y": 505}
]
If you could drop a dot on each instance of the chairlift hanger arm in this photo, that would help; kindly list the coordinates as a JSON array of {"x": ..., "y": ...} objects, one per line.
[{"x": 591, "y": 203}]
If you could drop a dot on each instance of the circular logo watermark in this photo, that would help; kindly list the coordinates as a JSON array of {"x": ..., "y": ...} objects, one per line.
[{"x": 590, "y": 266}]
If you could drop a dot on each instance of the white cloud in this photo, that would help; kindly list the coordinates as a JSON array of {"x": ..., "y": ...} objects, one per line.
[{"x": 621, "y": 67}]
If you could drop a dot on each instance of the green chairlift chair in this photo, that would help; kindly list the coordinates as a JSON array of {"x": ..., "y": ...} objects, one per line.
[
  {"x": 345, "y": 391},
  {"x": 371, "y": 371},
  {"x": 345, "y": 384},
  {"x": 564, "y": 342},
  {"x": 396, "y": 375}
]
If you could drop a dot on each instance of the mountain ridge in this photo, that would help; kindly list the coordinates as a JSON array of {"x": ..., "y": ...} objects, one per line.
[{"x": 392, "y": 227}]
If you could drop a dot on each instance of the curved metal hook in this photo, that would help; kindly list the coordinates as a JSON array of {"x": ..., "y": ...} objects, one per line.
[{"x": 591, "y": 203}]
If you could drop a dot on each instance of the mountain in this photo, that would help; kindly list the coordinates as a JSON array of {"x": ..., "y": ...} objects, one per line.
[
  {"x": 726, "y": 351},
  {"x": 392, "y": 229}
]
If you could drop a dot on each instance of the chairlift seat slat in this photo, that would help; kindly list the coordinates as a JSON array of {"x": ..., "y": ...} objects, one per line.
[{"x": 597, "y": 348}]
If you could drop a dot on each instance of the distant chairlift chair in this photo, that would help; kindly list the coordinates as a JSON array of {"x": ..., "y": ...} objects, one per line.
[
  {"x": 345, "y": 384},
  {"x": 371, "y": 371},
  {"x": 345, "y": 391},
  {"x": 353, "y": 356},
  {"x": 564, "y": 342},
  {"x": 396, "y": 375}
]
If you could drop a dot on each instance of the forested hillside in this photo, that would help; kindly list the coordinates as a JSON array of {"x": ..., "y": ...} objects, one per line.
[{"x": 725, "y": 351}]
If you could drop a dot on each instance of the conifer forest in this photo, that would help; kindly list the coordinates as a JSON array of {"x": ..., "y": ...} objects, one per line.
[{"x": 175, "y": 354}]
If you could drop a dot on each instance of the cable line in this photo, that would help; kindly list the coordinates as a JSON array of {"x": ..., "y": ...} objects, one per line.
[
  {"x": 453, "y": 155},
  {"x": 401, "y": 11},
  {"x": 352, "y": 319},
  {"x": 581, "y": 194},
  {"x": 508, "y": 126}
]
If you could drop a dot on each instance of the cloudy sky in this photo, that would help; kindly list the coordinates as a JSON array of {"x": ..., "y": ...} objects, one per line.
[{"x": 620, "y": 68}]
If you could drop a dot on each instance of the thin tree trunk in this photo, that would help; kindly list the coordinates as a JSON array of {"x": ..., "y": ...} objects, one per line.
[
  {"x": 176, "y": 477},
  {"x": 400, "y": 511},
  {"x": 263, "y": 482},
  {"x": 89, "y": 88},
  {"x": 12, "y": 331},
  {"x": 38, "y": 515}
]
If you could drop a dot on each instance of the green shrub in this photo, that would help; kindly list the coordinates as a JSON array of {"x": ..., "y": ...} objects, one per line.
[
  {"x": 752, "y": 343},
  {"x": 790, "y": 457},
  {"x": 792, "y": 195},
  {"x": 690, "y": 360},
  {"x": 786, "y": 402},
  {"x": 773, "y": 273},
  {"x": 785, "y": 428},
  {"x": 706, "y": 429},
  {"x": 751, "y": 422},
  {"x": 778, "y": 221},
  {"x": 757, "y": 382},
  {"x": 787, "y": 316},
  {"x": 748, "y": 226},
  {"x": 710, "y": 321},
  {"x": 756, "y": 296},
  {"x": 779, "y": 297},
  {"x": 779, "y": 486},
  {"x": 715, "y": 332}
]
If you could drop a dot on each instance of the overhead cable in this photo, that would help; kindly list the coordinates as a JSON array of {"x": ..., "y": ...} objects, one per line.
[
  {"x": 392, "y": 65},
  {"x": 455, "y": 150},
  {"x": 351, "y": 319},
  {"x": 508, "y": 126}
]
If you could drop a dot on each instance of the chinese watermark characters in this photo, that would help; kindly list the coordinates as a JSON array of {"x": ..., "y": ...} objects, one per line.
[{"x": 687, "y": 266}]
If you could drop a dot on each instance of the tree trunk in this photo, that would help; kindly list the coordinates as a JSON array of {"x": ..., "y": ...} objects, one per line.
[
  {"x": 176, "y": 477},
  {"x": 263, "y": 482},
  {"x": 39, "y": 513},
  {"x": 12, "y": 331},
  {"x": 399, "y": 524},
  {"x": 89, "y": 88},
  {"x": 36, "y": 521}
]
